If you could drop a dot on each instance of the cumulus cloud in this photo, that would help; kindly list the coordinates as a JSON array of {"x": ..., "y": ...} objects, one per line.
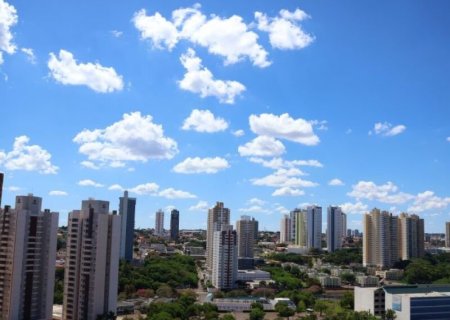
[
  {"x": 150, "y": 188},
  {"x": 116, "y": 33},
  {"x": 335, "y": 182},
  {"x": 284, "y": 30},
  {"x": 27, "y": 157},
  {"x": 171, "y": 193},
  {"x": 262, "y": 146},
  {"x": 89, "y": 183},
  {"x": 8, "y": 18},
  {"x": 134, "y": 138},
  {"x": 14, "y": 189},
  {"x": 354, "y": 208},
  {"x": 198, "y": 79},
  {"x": 427, "y": 201},
  {"x": 200, "y": 206},
  {"x": 278, "y": 163},
  {"x": 29, "y": 54},
  {"x": 284, "y": 127},
  {"x": 89, "y": 164},
  {"x": 386, "y": 129},
  {"x": 201, "y": 165},
  {"x": 238, "y": 133},
  {"x": 204, "y": 121},
  {"x": 254, "y": 209},
  {"x": 65, "y": 69},
  {"x": 283, "y": 178},
  {"x": 58, "y": 193},
  {"x": 287, "y": 191},
  {"x": 229, "y": 38},
  {"x": 115, "y": 187},
  {"x": 256, "y": 201},
  {"x": 386, "y": 193}
]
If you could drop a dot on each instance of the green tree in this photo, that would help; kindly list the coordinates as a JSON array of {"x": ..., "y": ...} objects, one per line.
[
  {"x": 320, "y": 306},
  {"x": 257, "y": 314},
  {"x": 389, "y": 315},
  {"x": 228, "y": 316},
  {"x": 283, "y": 309},
  {"x": 347, "y": 301}
]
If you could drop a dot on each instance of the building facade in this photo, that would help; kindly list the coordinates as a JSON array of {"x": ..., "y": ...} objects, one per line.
[
  {"x": 174, "y": 225},
  {"x": 447, "y": 234},
  {"x": 27, "y": 260},
  {"x": 285, "y": 229},
  {"x": 218, "y": 216},
  {"x": 159, "y": 223},
  {"x": 301, "y": 234},
  {"x": 335, "y": 223},
  {"x": 225, "y": 260},
  {"x": 412, "y": 236},
  {"x": 246, "y": 229},
  {"x": 92, "y": 261},
  {"x": 127, "y": 210},
  {"x": 314, "y": 227}
]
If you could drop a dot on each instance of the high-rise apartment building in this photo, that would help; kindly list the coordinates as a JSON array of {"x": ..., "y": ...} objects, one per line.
[
  {"x": 127, "y": 210},
  {"x": 92, "y": 261},
  {"x": 285, "y": 229},
  {"x": 344, "y": 225},
  {"x": 293, "y": 216},
  {"x": 27, "y": 260},
  {"x": 174, "y": 225},
  {"x": 301, "y": 235},
  {"x": 225, "y": 260},
  {"x": 218, "y": 216},
  {"x": 1, "y": 188},
  {"x": 447, "y": 234},
  {"x": 246, "y": 228},
  {"x": 335, "y": 222},
  {"x": 159, "y": 223},
  {"x": 381, "y": 239},
  {"x": 314, "y": 227},
  {"x": 411, "y": 236}
]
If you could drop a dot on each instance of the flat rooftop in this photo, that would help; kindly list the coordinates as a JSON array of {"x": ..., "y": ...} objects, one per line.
[{"x": 417, "y": 288}]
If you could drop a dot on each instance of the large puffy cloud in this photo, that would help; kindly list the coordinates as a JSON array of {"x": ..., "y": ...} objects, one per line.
[
  {"x": 229, "y": 37},
  {"x": 262, "y": 146},
  {"x": 149, "y": 188},
  {"x": 65, "y": 69},
  {"x": 354, "y": 208},
  {"x": 284, "y": 127},
  {"x": 134, "y": 138},
  {"x": 287, "y": 191},
  {"x": 284, "y": 30},
  {"x": 427, "y": 201},
  {"x": 198, "y": 79},
  {"x": 387, "y": 129},
  {"x": 204, "y": 121},
  {"x": 201, "y": 165},
  {"x": 153, "y": 189},
  {"x": 386, "y": 193},
  {"x": 8, "y": 18},
  {"x": 27, "y": 157}
]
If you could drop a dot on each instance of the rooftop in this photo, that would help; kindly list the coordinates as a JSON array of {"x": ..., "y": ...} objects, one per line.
[{"x": 417, "y": 288}]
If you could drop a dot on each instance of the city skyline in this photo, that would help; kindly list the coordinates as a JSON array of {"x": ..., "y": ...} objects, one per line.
[{"x": 183, "y": 121}]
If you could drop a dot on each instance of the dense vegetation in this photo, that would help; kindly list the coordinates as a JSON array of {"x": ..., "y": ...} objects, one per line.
[
  {"x": 431, "y": 268},
  {"x": 289, "y": 257},
  {"x": 344, "y": 257},
  {"x": 59, "y": 286}
]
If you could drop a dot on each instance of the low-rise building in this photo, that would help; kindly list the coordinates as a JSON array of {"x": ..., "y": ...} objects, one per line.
[
  {"x": 391, "y": 274},
  {"x": 370, "y": 299},
  {"x": 367, "y": 281},
  {"x": 328, "y": 281},
  {"x": 253, "y": 275}
]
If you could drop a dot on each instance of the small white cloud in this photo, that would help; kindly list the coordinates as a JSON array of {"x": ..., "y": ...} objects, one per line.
[
  {"x": 150, "y": 188},
  {"x": 319, "y": 124},
  {"x": 65, "y": 69},
  {"x": 200, "y": 206},
  {"x": 89, "y": 164},
  {"x": 89, "y": 183},
  {"x": 278, "y": 163},
  {"x": 58, "y": 193},
  {"x": 201, "y": 165},
  {"x": 14, "y": 189},
  {"x": 204, "y": 121},
  {"x": 198, "y": 79},
  {"x": 335, "y": 182},
  {"x": 386, "y": 129},
  {"x": 171, "y": 193},
  {"x": 284, "y": 127},
  {"x": 281, "y": 209},
  {"x": 354, "y": 208},
  {"x": 386, "y": 193},
  {"x": 284, "y": 30},
  {"x": 115, "y": 187},
  {"x": 30, "y": 54},
  {"x": 116, "y": 33},
  {"x": 256, "y": 201},
  {"x": 287, "y": 191},
  {"x": 8, "y": 18},
  {"x": 27, "y": 157},
  {"x": 283, "y": 178},
  {"x": 262, "y": 146},
  {"x": 448, "y": 139},
  {"x": 254, "y": 209},
  {"x": 238, "y": 133}
]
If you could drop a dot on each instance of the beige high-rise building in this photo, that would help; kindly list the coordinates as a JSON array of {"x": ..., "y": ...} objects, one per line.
[
  {"x": 301, "y": 234},
  {"x": 225, "y": 260},
  {"x": 92, "y": 261},
  {"x": 285, "y": 229},
  {"x": 159, "y": 223},
  {"x": 412, "y": 236},
  {"x": 246, "y": 228},
  {"x": 380, "y": 239},
  {"x": 218, "y": 216},
  {"x": 27, "y": 260}
]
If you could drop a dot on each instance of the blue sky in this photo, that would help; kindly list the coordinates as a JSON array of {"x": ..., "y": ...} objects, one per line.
[{"x": 264, "y": 105}]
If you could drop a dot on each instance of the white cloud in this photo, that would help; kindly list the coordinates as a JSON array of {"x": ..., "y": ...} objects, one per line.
[
  {"x": 279, "y": 208},
  {"x": 238, "y": 133},
  {"x": 254, "y": 209},
  {"x": 89, "y": 183},
  {"x": 335, "y": 182},
  {"x": 27, "y": 157},
  {"x": 427, "y": 201},
  {"x": 283, "y": 178},
  {"x": 287, "y": 191},
  {"x": 115, "y": 187},
  {"x": 65, "y": 69},
  {"x": 201, "y": 165},
  {"x": 116, "y": 33},
  {"x": 200, "y": 206},
  {"x": 284, "y": 127},
  {"x": 89, "y": 164},
  {"x": 204, "y": 121},
  {"x": 134, "y": 138},
  {"x": 448, "y": 139},
  {"x": 262, "y": 146},
  {"x": 354, "y": 208},
  {"x": 226, "y": 37},
  {"x": 8, "y": 18},
  {"x": 171, "y": 193},
  {"x": 30, "y": 54},
  {"x": 14, "y": 189},
  {"x": 319, "y": 124},
  {"x": 256, "y": 201},
  {"x": 284, "y": 30},
  {"x": 278, "y": 163},
  {"x": 150, "y": 188},
  {"x": 387, "y": 129},
  {"x": 386, "y": 193},
  {"x": 58, "y": 193},
  {"x": 198, "y": 79}
]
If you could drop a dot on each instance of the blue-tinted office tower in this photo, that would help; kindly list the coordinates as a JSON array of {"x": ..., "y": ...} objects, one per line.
[
  {"x": 174, "y": 225},
  {"x": 127, "y": 210}
]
